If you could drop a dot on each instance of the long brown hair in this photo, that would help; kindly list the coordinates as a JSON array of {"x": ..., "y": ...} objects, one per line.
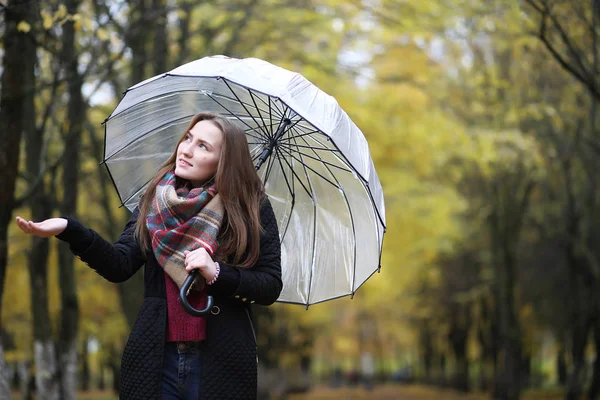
[{"x": 241, "y": 192}]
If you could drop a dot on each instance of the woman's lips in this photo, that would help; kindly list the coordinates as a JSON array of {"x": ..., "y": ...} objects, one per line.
[{"x": 184, "y": 163}]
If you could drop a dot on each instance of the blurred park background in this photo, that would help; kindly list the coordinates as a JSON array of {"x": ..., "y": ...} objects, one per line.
[{"x": 482, "y": 119}]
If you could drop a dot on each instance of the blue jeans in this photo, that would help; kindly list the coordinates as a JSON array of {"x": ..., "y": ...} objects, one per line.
[{"x": 181, "y": 371}]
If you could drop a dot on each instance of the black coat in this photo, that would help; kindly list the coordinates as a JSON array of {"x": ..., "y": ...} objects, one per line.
[{"x": 229, "y": 356}]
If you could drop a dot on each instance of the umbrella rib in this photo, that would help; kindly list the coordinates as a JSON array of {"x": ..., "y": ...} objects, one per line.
[
  {"x": 255, "y": 137},
  {"x": 375, "y": 206},
  {"x": 287, "y": 183},
  {"x": 258, "y": 109},
  {"x": 166, "y": 94},
  {"x": 341, "y": 188},
  {"x": 314, "y": 246},
  {"x": 314, "y": 255},
  {"x": 236, "y": 100},
  {"x": 298, "y": 178},
  {"x": 291, "y": 192},
  {"x": 302, "y": 129},
  {"x": 280, "y": 114},
  {"x": 380, "y": 236},
  {"x": 289, "y": 148},
  {"x": 176, "y": 92},
  {"x": 265, "y": 103},
  {"x": 270, "y": 164},
  {"x": 241, "y": 102},
  {"x": 336, "y": 153},
  {"x": 270, "y": 116},
  {"x": 254, "y": 91},
  {"x": 233, "y": 100},
  {"x": 300, "y": 119},
  {"x": 339, "y": 154},
  {"x": 300, "y": 135},
  {"x": 131, "y": 196},
  {"x": 316, "y": 148},
  {"x": 281, "y": 121},
  {"x": 143, "y": 135},
  {"x": 364, "y": 181},
  {"x": 287, "y": 224},
  {"x": 306, "y": 166},
  {"x": 106, "y": 165},
  {"x": 229, "y": 111},
  {"x": 290, "y": 129},
  {"x": 365, "y": 185}
]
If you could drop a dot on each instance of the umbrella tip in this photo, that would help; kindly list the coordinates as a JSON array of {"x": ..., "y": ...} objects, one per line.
[
  {"x": 352, "y": 296},
  {"x": 379, "y": 269},
  {"x": 307, "y": 307}
]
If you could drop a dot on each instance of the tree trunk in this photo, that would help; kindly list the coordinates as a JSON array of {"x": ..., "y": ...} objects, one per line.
[
  {"x": 581, "y": 326},
  {"x": 41, "y": 208},
  {"x": 17, "y": 87},
  {"x": 4, "y": 380},
  {"x": 577, "y": 376},
  {"x": 70, "y": 183},
  {"x": 184, "y": 32},
  {"x": 459, "y": 333},
  {"x": 85, "y": 366},
  {"x": 45, "y": 357},
  {"x": 526, "y": 381},
  {"x": 595, "y": 386},
  {"x": 487, "y": 334},
  {"x": 507, "y": 383},
  {"x": 505, "y": 227},
  {"x": 442, "y": 364},
  {"x": 137, "y": 39},
  {"x": 160, "y": 50},
  {"x": 561, "y": 365},
  {"x": 426, "y": 344},
  {"x": 115, "y": 366},
  {"x": 102, "y": 376},
  {"x": 46, "y": 384},
  {"x": 23, "y": 370},
  {"x": 579, "y": 312}
]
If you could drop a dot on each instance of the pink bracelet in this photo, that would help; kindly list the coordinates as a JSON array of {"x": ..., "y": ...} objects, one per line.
[{"x": 213, "y": 280}]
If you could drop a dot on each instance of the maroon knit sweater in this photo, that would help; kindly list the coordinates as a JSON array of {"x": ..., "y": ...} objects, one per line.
[{"x": 181, "y": 326}]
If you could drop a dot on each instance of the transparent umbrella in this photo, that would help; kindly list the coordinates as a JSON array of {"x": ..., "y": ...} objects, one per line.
[{"x": 314, "y": 161}]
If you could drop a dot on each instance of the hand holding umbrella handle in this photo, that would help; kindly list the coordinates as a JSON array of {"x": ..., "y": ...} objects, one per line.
[{"x": 183, "y": 296}]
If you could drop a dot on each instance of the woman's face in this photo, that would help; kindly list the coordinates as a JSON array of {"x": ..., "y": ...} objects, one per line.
[{"x": 198, "y": 154}]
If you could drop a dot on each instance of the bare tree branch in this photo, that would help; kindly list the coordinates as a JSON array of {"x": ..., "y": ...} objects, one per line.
[{"x": 579, "y": 70}]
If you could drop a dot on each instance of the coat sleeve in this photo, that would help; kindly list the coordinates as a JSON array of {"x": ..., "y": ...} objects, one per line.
[
  {"x": 116, "y": 262},
  {"x": 262, "y": 283}
]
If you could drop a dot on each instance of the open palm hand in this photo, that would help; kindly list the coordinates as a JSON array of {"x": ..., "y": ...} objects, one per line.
[{"x": 46, "y": 228}]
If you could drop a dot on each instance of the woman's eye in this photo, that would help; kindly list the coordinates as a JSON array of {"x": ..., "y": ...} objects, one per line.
[{"x": 201, "y": 145}]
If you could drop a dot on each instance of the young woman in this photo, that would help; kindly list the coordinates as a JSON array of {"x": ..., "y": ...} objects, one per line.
[{"x": 206, "y": 209}]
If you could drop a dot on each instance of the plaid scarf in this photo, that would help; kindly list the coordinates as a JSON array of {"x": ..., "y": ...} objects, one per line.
[{"x": 183, "y": 219}]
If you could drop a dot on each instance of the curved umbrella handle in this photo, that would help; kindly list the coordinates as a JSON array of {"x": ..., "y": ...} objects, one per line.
[{"x": 183, "y": 296}]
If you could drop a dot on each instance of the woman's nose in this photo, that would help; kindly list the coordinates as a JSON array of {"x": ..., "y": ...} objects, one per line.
[{"x": 186, "y": 148}]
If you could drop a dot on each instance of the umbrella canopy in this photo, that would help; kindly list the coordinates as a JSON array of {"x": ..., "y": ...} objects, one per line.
[{"x": 314, "y": 161}]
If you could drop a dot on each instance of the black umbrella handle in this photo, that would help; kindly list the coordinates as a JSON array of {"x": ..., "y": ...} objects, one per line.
[{"x": 183, "y": 296}]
